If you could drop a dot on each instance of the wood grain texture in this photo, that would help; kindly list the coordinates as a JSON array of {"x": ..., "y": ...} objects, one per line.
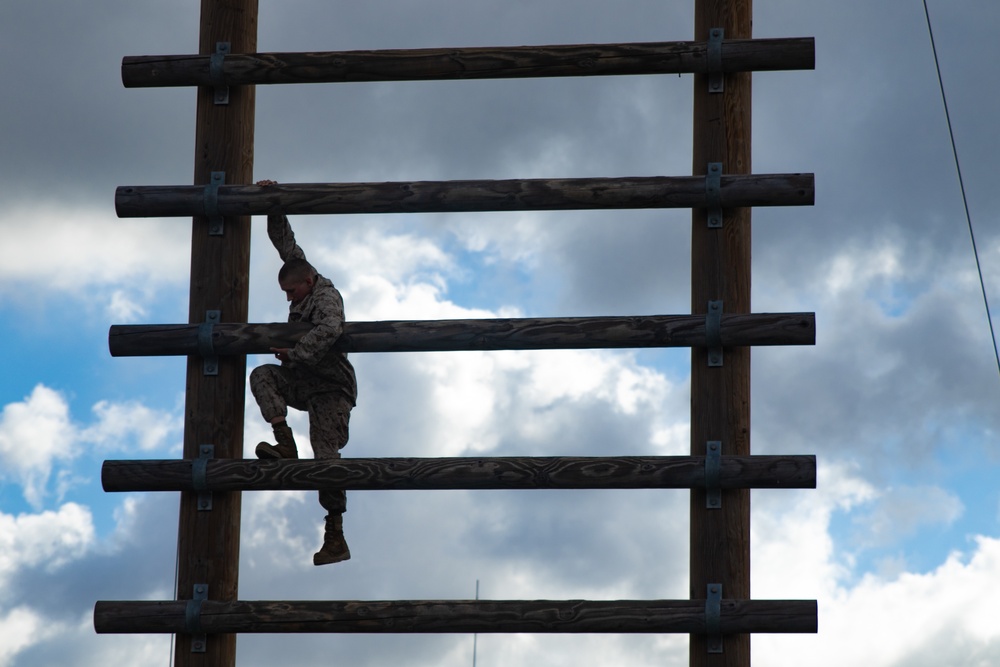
[
  {"x": 208, "y": 543},
  {"x": 721, "y": 271},
  {"x": 129, "y": 340},
  {"x": 463, "y": 196},
  {"x": 469, "y": 63},
  {"x": 394, "y": 474},
  {"x": 457, "y": 616}
]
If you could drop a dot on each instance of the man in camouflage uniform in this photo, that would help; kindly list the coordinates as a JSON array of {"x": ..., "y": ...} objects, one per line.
[{"x": 313, "y": 376}]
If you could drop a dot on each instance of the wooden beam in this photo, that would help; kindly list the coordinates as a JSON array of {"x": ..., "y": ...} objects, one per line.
[
  {"x": 395, "y": 474},
  {"x": 135, "y": 201},
  {"x": 131, "y": 340},
  {"x": 208, "y": 542},
  {"x": 721, "y": 271},
  {"x": 467, "y": 63},
  {"x": 456, "y": 616}
]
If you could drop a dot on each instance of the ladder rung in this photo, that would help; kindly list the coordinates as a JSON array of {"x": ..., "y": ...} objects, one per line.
[
  {"x": 454, "y": 616},
  {"x": 540, "y": 333},
  {"x": 625, "y": 472},
  {"x": 464, "y": 196},
  {"x": 738, "y": 55}
]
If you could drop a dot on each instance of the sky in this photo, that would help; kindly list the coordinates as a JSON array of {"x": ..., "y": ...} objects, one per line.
[{"x": 900, "y": 541}]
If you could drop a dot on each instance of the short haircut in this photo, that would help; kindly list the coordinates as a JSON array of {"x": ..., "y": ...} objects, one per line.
[{"x": 297, "y": 270}]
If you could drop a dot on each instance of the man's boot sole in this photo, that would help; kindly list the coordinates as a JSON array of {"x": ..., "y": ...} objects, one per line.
[{"x": 320, "y": 558}]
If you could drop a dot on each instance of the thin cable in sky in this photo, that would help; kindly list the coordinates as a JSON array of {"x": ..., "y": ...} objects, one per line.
[{"x": 961, "y": 184}]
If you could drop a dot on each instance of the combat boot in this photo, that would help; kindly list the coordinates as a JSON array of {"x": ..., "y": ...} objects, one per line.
[
  {"x": 334, "y": 547},
  {"x": 285, "y": 449}
]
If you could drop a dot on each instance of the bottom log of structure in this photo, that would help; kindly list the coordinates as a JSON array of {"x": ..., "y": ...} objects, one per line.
[{"x": 457, "y": 616}]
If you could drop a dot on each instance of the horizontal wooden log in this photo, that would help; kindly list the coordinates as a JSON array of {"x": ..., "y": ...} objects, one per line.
[
  {"x": 131, "y": 340},
  {"x": 743, "y": 55},
  {"x": 737, "y": 190},
  {"x": 454, "y": 616},
  {"x": 394, "y": 474}
]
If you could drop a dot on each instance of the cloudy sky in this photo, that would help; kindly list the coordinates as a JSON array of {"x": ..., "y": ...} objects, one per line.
[{"x": 900, "y": 542}]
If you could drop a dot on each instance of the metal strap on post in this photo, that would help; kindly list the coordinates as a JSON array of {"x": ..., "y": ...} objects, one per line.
[
  {"x": 713, "y": 195},
  {"x": 199, "y": 476},
  {"x": 713, "y": 333},
  {"x": 713, "y": 473},
  {"x": 716, "y": 81},
  {"x": 192, "y": 619},
  {"x": 215, "y": 219},
  {"x": 221, "y": 89},
  {"x": 205, "y": 346},
  {"x": 713, "y": 618}
]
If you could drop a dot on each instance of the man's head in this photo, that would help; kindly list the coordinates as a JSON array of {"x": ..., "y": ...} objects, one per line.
[{"x": 297, "y": 278}]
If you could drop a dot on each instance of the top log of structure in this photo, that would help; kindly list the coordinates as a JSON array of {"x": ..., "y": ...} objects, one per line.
[
  {"x": 467, "y": 63},
  {"x": 639, "y": 192}
]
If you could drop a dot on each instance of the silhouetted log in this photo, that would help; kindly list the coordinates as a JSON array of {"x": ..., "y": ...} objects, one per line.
[
  {"x": 134, "y": 201},
  {"x": 130, "y": 340},
  {"x": 629, "y": 472},
  {"x": 744, "y": 55},
  {"x": 454, "y": 616}
]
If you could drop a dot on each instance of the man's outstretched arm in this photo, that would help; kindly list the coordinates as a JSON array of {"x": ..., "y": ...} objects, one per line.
[{"x": 280, "y": 232}]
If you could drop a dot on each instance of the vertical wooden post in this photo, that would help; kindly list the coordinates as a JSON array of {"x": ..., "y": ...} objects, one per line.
[
  {"x": 208, "y": 541},
  {"x": 720, "y": 271}
]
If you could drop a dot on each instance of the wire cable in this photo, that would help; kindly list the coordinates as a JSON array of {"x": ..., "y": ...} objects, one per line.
[{"x": 961, "y": 184}]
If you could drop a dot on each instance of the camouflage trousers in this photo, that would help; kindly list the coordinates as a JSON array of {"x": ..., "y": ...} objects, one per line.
[{"x": 276, "y": 388}]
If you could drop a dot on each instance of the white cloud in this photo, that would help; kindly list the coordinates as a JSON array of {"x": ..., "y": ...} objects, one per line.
[
  {"x": 124, "y": 308},
  {"x": 33, "y": 435},
  {"x": 899, "y": 511},
  {"x": 20, "y": 628},
  {"x": 121, "y": 424},
  {"x": 505, "y": 242},
  {"x": 74, "y": 249},
  {"x": 875, "y": 619},
  {"x": 859, "y": 267},
  {"x": 37, "y": 434},
  {"x": 48, "y": 540},
  {"x": 397, "y": 258}
]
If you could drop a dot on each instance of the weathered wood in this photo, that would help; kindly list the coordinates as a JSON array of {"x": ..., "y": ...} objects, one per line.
[
  {"x": 721, "y": 271},
  {"x": 208, "y": 543},
  {"x": 468, "y": 63},
  {"x": 395, "y": 474},
  {"x": 134, "y": 201},
  {"x": 457, "y": 616},
  {"x": 129, "y": 340}
]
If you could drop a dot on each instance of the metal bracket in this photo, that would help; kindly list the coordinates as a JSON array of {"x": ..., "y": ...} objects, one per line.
[
  {"x": 713, "y": 618},
  {"x": 713, "y": 194},
  {"x": 220, "y": 93},
  {"x": 199, "y": 476},
  {"x": 716, "y": 81},
  {"x": 215, "y": 219},
  {"x": 713, "y": 333},
  {"x": 205, "y": 346},
  {"x": 192, "y": 619},
  {"x": 713, "y": 473}
]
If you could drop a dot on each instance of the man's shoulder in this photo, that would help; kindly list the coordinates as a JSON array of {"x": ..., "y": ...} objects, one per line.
[
  {"x": 325, "y": 295},
  {"x": 324, "y": 285}
]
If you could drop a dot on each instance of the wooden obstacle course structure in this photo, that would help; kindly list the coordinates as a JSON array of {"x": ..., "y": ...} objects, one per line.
[{"x": 719, "y": 616}]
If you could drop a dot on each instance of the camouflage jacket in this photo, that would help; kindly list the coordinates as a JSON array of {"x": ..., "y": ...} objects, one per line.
[{"x": 324, "y": 309}]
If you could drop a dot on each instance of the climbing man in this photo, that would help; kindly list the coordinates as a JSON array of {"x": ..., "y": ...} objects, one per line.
[{"x": 313, "y": 376}]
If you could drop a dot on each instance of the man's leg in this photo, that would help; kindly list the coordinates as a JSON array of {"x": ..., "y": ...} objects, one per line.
[
  {"x": 272, "y": 388},
  {"x": 329, "y": 417}
]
